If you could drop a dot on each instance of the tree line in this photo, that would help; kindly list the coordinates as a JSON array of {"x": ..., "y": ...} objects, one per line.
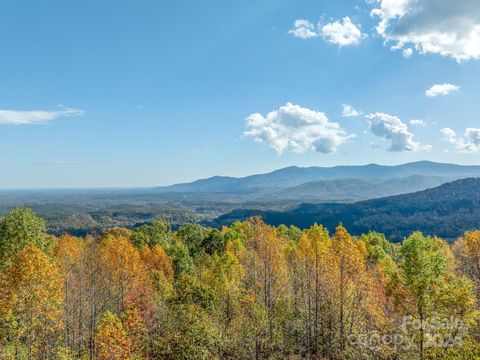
[{"x": 247, "y": 291}]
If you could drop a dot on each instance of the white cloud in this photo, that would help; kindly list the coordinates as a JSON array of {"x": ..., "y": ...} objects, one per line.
[
  {"x": 18, "y": 117},
  {"x": 407, "y": 52},
  {"x": 469, "y": 143},
  {"x": 418, "y": 122},
  {"x": 391, "y": 128},
  {"x": 343, "y": 33},
  {"x": 303, "y": 29},
  {"x": 445, "y": 27},
  {"x": 349, "y": 111},
  {"x": 441, "y": 89},
  {"x": 296, "y": 129}
]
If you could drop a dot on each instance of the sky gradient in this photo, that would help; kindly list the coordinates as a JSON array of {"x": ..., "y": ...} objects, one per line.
[{"x": 147, "y": 93}]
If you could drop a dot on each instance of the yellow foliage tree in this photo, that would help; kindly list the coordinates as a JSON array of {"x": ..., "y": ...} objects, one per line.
[
  {"x": 111, "y": 339},
  {"x": 135, "y": 328},
  {"x": 313, "y": 253},
  {"x": 472, "y": 247},
  {"x": 31, "y": 300},
  {"x": 69, "y": 252},
  {"x": 124, "y": 274},
  {"x": 266, "y": 276}
]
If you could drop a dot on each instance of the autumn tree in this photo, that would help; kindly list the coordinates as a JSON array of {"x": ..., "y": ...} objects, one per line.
[
  {"x": 266, "y": 277},
  {"x": 471, "y": 252},
  {"x": 159, "y": 265},
  {"x": 70, "y": 253},
  {"x": 31, "y": 300},
  {"x": 136, "y": 329},
  {"x": 111, "y": 339},
  {"x": 313, "y": 253}
]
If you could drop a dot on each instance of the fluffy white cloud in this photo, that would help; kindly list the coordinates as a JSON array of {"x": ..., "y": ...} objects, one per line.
[
  {"x": 18, "y": 117},
  {"x": 446, "y": 27},
  {"x": 469, "y": 143},
  {"x": 418, "y": 122},
  {"x": 297, "y": 129},
  {"x": 441, "y": 89},
  {"x": 343, "y": 33},
  {"x": 304, "y": 29},
  {"x": 349, "y": 111},
  {"x": 391, "y": 128}
]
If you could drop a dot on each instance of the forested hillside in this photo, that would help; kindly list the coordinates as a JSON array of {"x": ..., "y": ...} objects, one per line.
[
  {"x": 247, "y": 291},
  {"x": 447, "y": 211}
]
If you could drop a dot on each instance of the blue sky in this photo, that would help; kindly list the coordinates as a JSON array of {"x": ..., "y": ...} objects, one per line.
[{"x": 145, "y": 93}]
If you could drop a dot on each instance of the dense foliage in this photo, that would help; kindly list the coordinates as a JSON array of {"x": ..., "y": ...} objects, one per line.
[{"x": 247, "y": 291}]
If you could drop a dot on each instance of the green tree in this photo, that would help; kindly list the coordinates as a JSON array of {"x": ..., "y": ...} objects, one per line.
[
  {"x": 431, "y": 287},
  {"x": 423, "y": 266},
  {"x": 21, "y": 227},
  {"x": 378, "y": 247},
  {"x": 181, "y": 259},
  {"x": 157, "y": 234},
  {"x": 194, "y": 235}
]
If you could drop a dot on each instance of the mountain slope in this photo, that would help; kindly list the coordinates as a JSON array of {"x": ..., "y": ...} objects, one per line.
[
  {"x": 446, "y": 211},
  {"x": 356, "y": 189}
]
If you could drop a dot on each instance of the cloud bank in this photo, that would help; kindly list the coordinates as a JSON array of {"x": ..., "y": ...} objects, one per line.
[{"x": 296, "y": 129}]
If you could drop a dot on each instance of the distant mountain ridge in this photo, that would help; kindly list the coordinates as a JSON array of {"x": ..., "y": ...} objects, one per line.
[
  {"x": 330, "y": 183},
  {"x": 447, "y": 211}
]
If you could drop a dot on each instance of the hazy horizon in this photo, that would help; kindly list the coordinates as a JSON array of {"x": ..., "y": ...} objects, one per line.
[{"x": 148, "y": 187}]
